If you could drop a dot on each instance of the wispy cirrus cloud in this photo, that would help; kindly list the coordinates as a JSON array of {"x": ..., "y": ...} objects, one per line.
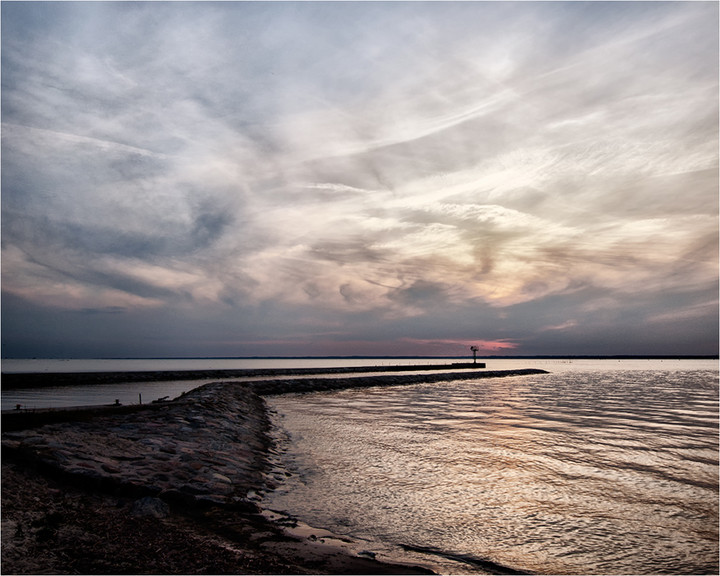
[{"x": 433, "y": 172}]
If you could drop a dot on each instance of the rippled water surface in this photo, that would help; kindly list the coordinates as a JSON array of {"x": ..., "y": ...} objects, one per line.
[{"x": 573, "y": 472}]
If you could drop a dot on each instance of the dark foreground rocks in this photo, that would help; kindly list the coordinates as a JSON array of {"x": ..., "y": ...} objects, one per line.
[
  {"x": 53, "y": 527},
  {"x": 171, "y": 489}
]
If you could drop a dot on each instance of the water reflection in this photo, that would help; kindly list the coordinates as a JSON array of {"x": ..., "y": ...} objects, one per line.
[{"x": 559, "y": 473}]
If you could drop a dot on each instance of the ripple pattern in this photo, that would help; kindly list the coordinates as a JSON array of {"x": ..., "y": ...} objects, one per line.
[{"x": 604, "y": 472}]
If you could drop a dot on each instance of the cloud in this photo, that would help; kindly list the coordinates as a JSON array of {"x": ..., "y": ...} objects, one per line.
[
  {"x": 387, "y": 165},
  {"x": 457, "y": 346},
  {"x": 564, "y": 326}
]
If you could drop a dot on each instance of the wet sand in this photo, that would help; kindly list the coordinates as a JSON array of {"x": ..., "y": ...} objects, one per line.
[{"x": 172, "y": 488}]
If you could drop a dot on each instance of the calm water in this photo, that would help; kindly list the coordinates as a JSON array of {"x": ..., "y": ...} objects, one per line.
[
  {"x": 132, "y": 393},
  {"x": 599, "y": 467},
  {"x": 149, "y": 364}
]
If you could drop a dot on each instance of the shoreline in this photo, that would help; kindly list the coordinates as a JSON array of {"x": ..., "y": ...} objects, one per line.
[{"x": 193, "y": 468}]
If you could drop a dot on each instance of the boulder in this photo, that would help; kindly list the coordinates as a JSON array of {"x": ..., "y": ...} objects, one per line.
[{"x": 149, "y": 506}]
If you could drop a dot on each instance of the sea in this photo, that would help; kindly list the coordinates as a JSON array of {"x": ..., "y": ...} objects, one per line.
[{"x": 597, "y": 467}]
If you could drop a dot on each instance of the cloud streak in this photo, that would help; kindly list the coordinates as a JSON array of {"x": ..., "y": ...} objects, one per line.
[{"x": 409, "y": 173}]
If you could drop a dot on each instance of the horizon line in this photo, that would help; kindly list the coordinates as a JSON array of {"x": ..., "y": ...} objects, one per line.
[{"x": 396, "y": 357}]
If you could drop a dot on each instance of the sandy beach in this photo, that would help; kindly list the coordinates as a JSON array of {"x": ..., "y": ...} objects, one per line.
[{"x": 173, "y": 488}]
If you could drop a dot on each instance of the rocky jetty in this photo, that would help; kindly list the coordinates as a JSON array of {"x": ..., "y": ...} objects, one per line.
[
  {"x": 206, "y": 453},
  {"x": 305, "y": 385},
  {"x": 32, "y": 380},
  {"x": 209, "y": 446}
]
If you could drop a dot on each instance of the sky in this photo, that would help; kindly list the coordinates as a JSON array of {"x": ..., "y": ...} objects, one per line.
[{"x": 203, "y": 179}]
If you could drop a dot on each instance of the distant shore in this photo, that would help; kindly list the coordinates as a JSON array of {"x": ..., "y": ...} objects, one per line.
[{"x": 175, "y": 487}]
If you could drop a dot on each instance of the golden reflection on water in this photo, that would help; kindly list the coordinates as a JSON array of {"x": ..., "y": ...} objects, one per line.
[{"x": 566, "y": 473}]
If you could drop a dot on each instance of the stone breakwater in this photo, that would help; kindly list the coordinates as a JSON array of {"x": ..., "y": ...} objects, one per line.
[
  {"x": 31, "y": 380},
  {"x": 279, "y": 386},
  {"x": 209, "y": 447}
]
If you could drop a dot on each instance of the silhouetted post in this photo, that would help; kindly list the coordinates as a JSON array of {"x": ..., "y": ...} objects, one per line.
[
  {"x": 140, "y": 397},
  {"x": 474, "y": 351}
]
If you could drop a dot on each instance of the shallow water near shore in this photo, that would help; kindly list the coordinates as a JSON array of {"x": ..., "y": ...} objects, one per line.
[{"x": 603, "y": 468}]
